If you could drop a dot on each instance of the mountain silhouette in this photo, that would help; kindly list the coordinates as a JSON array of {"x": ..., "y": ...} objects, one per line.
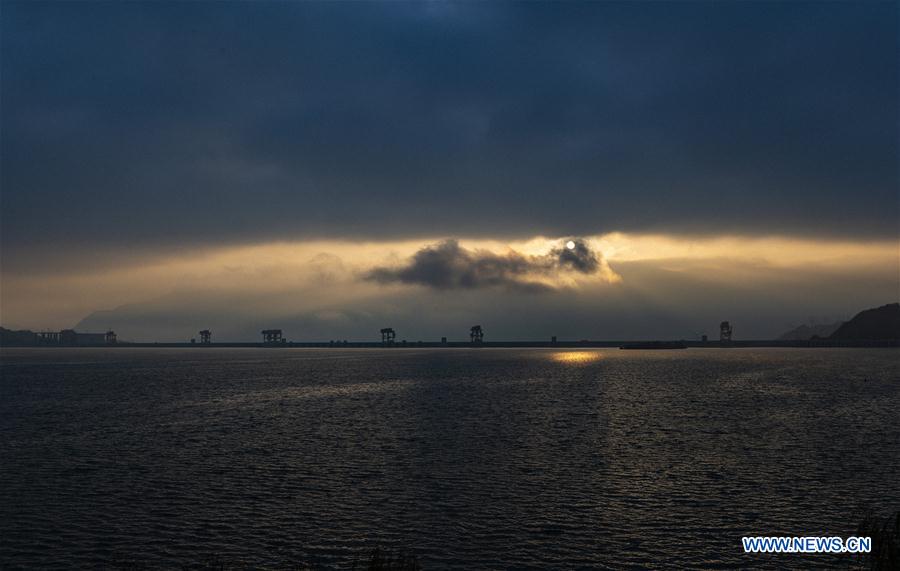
[{"x": 877, "y": 323}]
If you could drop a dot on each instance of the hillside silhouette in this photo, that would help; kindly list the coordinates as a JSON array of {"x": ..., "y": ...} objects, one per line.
[{"x": 877, "y": 323}]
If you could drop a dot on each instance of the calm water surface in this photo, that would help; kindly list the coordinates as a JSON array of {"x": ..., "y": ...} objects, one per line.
[{"x": 471, "y": 459}]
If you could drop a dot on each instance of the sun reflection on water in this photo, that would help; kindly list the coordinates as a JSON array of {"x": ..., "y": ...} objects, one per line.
[{"x": 576, "y": 357}]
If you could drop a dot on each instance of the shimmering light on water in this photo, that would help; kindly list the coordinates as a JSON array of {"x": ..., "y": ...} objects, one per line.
[
  {"x": 473, "y": 459},
  {"x": 575, "y": 357}
]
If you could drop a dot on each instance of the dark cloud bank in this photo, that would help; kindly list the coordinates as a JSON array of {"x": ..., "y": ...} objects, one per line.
[
  {"x": 450, "y": 266},
  {"x": 172, "y": 123}
]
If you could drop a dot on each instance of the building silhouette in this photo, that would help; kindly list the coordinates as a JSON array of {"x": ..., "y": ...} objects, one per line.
[
  {"x": 725, "y": 332},
  {"x": 271, "y": 336}
]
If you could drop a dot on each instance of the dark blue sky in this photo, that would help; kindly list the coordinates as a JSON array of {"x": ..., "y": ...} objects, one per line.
[
  {"x": 242, "y": 165},
  {"x": 166, "y": 123}
]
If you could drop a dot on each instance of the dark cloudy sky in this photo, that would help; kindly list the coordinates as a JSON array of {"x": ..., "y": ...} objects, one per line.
[{"x": 142, "y": 136}]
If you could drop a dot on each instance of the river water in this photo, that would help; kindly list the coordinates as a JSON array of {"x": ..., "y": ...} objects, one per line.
[{"x": 467, "y": 458}]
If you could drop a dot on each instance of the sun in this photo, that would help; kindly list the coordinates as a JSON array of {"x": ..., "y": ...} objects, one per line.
[{"x": 570, "y": 245}]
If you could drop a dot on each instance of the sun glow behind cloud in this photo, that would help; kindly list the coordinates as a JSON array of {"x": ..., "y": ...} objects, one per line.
[{"x": 326, "y": 274}]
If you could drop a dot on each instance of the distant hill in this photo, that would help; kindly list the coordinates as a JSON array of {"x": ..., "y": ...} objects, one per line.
[
  {"x": 807, "y": 332},
  {"x": 878, "y": 323}
]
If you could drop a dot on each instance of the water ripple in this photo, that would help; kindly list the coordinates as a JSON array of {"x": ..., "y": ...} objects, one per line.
[{"x": 487, "y": 459}]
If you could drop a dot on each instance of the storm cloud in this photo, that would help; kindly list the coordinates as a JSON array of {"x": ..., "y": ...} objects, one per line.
[
  {"x": 448, "y": 265},
  {"x": 578, "y": 257},
  {"x": 148, "y": 148},
  {"x": 224, "y": 123}
]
